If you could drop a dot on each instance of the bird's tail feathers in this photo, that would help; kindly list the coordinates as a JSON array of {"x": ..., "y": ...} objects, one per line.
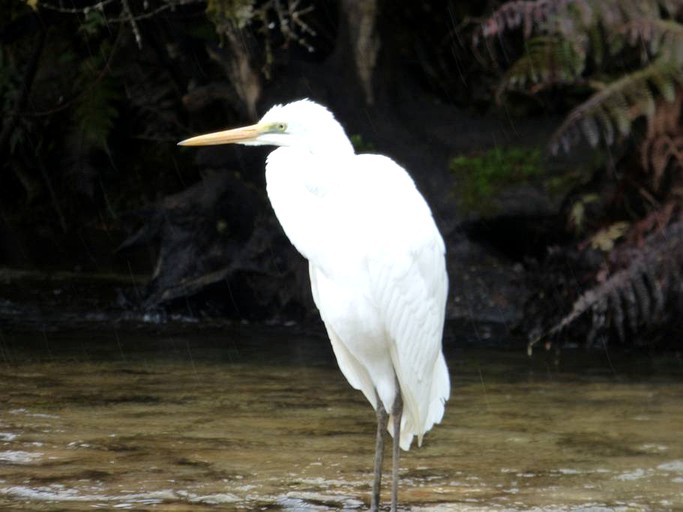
[{"x": 440, "y": 392}]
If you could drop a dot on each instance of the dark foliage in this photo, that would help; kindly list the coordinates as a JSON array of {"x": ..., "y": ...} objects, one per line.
[
  {"x": 94, "y": 96},
  {"x": 216, "y": 241},
  {"x": 622, "y": 62},
  {"x": 636, "y": 298}
]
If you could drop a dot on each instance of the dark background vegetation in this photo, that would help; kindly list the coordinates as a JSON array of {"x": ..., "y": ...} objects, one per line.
[{"x": 546, "y": 136}]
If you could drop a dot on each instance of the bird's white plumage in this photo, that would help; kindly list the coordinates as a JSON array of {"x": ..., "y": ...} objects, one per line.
[
  {"x": 376, "y": 261},
  {"x": 376, "y": 258}
]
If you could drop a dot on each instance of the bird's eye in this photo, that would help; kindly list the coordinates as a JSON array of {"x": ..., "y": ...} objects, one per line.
[{"x": 281, "y": 127}]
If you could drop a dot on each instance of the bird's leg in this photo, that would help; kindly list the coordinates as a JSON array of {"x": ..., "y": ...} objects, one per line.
[
  {"x": 396, "y": 412},
  {"x": 382, "y": 420}
]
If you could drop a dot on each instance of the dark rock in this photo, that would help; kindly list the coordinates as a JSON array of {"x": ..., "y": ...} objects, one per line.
[{"x": 221, "y": 252}]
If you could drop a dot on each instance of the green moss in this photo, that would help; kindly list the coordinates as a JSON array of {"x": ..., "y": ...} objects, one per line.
[
  {"x": 482, "y": 175},
  {"x": 236, "y": 12}
]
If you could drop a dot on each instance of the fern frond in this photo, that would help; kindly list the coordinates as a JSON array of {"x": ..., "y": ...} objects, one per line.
[
  {"x": 528, "y": 14},
  {"x": 614, "y": 108},
  {"x": 643, "y": 293},
  {"x": 549, "y": 60},
  {"x": 657, "y": 154},
  {"x": 601, "y": 23},
  {"x": 570, "y": 16},
  {"x": 95, "y": 114},
  {"x": 96, "y": 109},
  {"x": 662, "y": 147},
  {"x": 657, "y": 39}
]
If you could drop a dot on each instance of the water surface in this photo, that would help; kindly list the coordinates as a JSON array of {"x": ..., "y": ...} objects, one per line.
[{"x": 248, "y": 418}]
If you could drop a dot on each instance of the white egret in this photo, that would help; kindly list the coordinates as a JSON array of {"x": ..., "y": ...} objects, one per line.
[{"x": 376, "y": 263}]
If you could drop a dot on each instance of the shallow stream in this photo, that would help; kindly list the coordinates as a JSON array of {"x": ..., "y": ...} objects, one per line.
[{"x": 253, "y": 418}]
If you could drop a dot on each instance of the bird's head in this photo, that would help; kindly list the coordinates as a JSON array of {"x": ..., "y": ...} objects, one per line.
[{"x": 302, "y": 124}]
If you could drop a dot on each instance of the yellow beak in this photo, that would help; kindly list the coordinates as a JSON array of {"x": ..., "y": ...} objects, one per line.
[{"x": 225, "y": 137}]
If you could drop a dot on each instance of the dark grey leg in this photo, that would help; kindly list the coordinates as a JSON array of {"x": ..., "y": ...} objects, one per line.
[
  {"x": 382, "y": 420},
  {"x": 397, "y": 412}
]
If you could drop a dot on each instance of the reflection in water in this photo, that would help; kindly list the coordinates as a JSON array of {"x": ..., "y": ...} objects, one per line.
[{"x": 250, "y": 419}]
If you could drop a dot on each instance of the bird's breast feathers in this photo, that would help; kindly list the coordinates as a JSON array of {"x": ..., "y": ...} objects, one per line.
[{"x": 337, "y": 212}]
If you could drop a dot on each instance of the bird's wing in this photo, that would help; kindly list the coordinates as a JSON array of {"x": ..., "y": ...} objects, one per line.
[
  {"x": 354, "y": 371},
  {"x": 407, "y": 270},
  {"x": 411, "y": 297}
]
